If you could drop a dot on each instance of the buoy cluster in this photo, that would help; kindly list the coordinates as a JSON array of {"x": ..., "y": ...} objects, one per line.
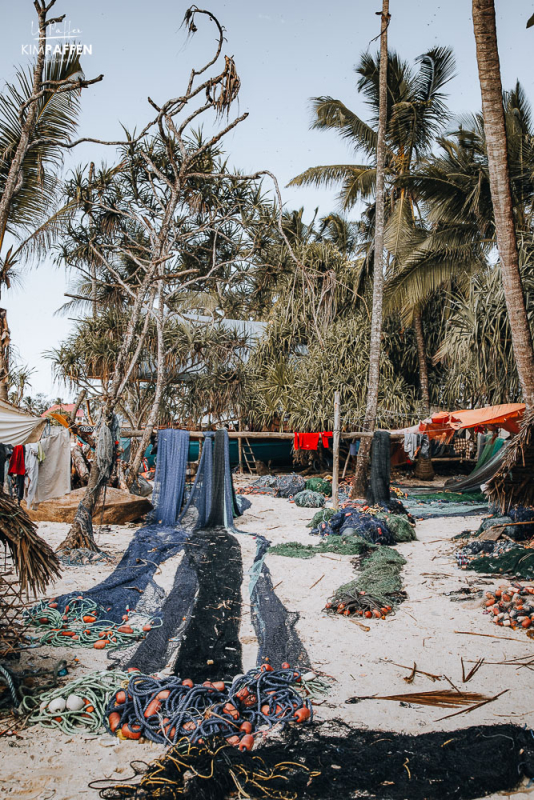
[{"x": 512, "y": 605}]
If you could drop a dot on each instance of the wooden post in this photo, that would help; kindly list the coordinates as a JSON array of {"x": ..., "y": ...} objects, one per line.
[
  {"x": 335, "y": 471},
  {"x": 240, "y": 445}
]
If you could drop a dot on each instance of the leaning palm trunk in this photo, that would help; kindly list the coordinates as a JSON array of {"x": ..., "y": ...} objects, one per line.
[
  {"x": 359, "y": 485},
  {"x": 496, "y": 142}
]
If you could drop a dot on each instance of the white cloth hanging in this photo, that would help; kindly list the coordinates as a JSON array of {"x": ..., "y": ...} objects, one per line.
[
  {"x": 32, "y": 473},
  {"x": 17, "y": 427},
  {"x": 54, "y": 472}
]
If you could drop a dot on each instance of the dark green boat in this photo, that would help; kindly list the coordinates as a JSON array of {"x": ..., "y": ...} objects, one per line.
[{"x": 277, "y": 451}]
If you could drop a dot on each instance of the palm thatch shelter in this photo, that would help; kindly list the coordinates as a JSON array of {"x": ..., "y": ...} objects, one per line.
[
  {"x": 513, "y": 483},
  {"x": 27, "y": 565}
]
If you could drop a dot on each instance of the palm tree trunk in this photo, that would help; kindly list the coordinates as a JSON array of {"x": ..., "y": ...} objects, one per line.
[
  {"x": 421, "y": 356},
  {"x": 4, "y": 355},
  {"x": 359, "y": 485},
  {"x": 494, "y": 125}
]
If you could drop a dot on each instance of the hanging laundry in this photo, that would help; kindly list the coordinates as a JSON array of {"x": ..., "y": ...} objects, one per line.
[
  {"x": 54, "y": 470},
  {"x": 32, "y": 473},
  {"x": 306, "y": 441},
  {"x": 325, "y": 438},
  {"x": 310, "y": 441},
  {"x": 17, "y": 464}
]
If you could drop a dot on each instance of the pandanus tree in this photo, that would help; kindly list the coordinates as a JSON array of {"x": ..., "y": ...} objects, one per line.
[
  {"x": 416, "y": 113},
  {"x": 177, "y": 214}
]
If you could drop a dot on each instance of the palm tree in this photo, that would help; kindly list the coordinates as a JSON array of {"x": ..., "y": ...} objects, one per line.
[
  {"x": 501, "y": 194},
  {"x": 38, "y": 116},
  {"x": 416, "y": 112},
  {"x": 359, "y": 484}
]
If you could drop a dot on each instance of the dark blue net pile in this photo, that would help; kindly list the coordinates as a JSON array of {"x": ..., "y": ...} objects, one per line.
[
  {"x": 201, "y": 614},
  {"x": 133, "y": 578},
  {"x": 350, "y": 521}
]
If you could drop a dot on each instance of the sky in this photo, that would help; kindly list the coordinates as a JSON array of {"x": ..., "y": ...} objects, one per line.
[{"x": 285, "y": 53}]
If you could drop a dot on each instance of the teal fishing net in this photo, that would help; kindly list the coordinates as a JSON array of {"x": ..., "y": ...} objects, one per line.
[{"x": 309, "y": 499}]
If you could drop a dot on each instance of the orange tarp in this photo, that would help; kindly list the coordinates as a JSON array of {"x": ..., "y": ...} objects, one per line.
[{"x": 442, "y": 425}]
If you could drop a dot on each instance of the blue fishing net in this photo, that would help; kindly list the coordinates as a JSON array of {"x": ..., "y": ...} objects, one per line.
[
  {"x": 351, "y": 521},
  {"x": 169, "y": 481},
  {"x": 201, "y": 614},
  {"x": 133, "y": 579}
]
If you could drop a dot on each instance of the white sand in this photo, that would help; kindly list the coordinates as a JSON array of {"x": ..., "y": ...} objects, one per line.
[{"x": 46, "y": 764}]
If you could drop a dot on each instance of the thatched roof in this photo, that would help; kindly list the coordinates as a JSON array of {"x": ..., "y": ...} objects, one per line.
[
  {"x": 514, "y": 482},
  {"x": 35, "y": 561}
]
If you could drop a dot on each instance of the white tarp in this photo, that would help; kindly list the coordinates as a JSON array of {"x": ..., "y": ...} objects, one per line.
[
  {"x": 54, "y": 472},
  {"x": 17, "y": 427}
]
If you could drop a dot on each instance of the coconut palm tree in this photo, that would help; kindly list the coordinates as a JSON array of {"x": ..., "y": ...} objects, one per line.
[
  {"x": 501, "y": 194},
  {"x": 416, "y": 112},
  {"x": 32, "y": 135}
]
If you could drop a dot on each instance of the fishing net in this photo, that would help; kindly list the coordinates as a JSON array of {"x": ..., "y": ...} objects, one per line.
[
  {"x": 321, "y": 516},
  {"x": 199, "y": 634},
  {"x": 169, "y": 480},
  {"x": 274, "y": 625},
  {"x": 449, "y": 497},
  {"x": 309, "y": 499},
  {"x": 518, "y": 561},
  {"x": 466, "y": 554},
  {"x": 342, "y": 545},
  {"x": 211, "y": 648},
  {"x": 379, "y": 579},
  {"x": 352, "y": 522},
  {"x": 131, "y": 585},
  {"x": 422, "y": 509},
  {"x": 319, "y": 485},
  {"x": 399, "y": 526},
  {"x": 491, "y": 522},
  {"x": 290, "y": 485},
  {"x": 333, "y": 761},
  {"x": 379, "y": 478}
]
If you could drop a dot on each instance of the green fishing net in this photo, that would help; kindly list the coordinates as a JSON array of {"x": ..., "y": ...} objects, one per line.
[
  {"x": 449, "y": 497},
  {"x": 319, "y": 485},
  {"x": 309, "y": 499},
  {"x": 321, "y": 516},
  {"x": 342, "y": 545},
  {"x": 399, "y": 526},
  {"x": 519, "y": 561},
  {"x": 379, "y": 578}
]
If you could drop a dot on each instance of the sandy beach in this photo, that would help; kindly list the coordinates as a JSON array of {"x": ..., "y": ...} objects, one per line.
[{"x": 45, "y": 764}]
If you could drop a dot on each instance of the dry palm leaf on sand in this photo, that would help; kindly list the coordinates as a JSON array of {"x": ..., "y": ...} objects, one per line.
[{"x": 35, "y": 561}]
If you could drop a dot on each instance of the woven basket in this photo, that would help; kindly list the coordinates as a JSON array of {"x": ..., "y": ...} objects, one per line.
[{"x": 424, "y": 470}]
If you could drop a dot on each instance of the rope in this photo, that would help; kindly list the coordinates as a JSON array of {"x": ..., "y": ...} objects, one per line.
[
  {"x": 165, "y": 711},
  {"x": 83, "y": 624},
  {"x": 92, "y": 692}
]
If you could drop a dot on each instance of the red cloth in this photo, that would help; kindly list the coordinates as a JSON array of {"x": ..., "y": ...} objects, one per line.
[
  {"x": 16, "y": 462},
  {"x": 310, "y": 441},
  {"x": 306, "y": 441}
]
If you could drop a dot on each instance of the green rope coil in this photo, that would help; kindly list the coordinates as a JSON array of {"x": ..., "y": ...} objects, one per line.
[
  {"x": 95, "y": 689},
  {"x": 83, "y": 624}
]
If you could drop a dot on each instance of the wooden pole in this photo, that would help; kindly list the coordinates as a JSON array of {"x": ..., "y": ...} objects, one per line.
[
  {"x": 337, "y": 432},
  {"x": 240, "y": 446},
  {"x": 132, "y": 433}
]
